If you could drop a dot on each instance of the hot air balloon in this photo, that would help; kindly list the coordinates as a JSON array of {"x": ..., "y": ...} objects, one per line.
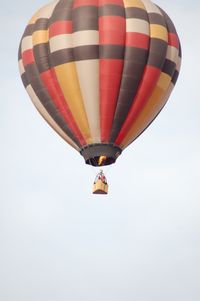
[{"x": 100, "y": 71}]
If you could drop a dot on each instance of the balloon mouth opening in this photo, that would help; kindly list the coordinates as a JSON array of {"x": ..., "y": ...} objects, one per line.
[
  {"x": 96, "y": 161},
  {"x": 100, "y": 154}
]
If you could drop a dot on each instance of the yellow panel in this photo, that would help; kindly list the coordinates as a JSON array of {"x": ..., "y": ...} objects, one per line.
[
  {"x": 164, "y": 81},
  {"x": 143, "y": 120},
  {"x": 134, "y": 3},
  {"x": 68, "y": 80},
  {"x": 149, "y": 112},
  {"x": 159, "y": 32},
  {"x": 40, "y": 37}
]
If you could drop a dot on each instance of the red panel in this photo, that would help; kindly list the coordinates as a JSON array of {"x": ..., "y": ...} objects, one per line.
[
  {"x": 112, "y": 23},
  {"x": 51, "y": 84},
  {"x": 149, "y": 80},
  {"x": 78, "y": 3},
  {"x": 138, "y": 40},
  {"x": 110, "y": 79},
  {"x": 115, "y": 2},
  {"x": 112, "y": 31},
  {"x": 28, "y": 57},
  {"x": 60, "y": 27},
  {"x": 112, "y": 38},
  {"x": 173, "y": 40}
]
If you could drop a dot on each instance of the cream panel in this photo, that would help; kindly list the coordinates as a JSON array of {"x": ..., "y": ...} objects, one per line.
[
  {"x": 26, "y": 43},
  {"x": 21, "y": 67},
  {"x": 178, "y": 64},
  {"x": 60, "y": 42},
  {"x": 137, "y": 25},
  {"x": 88, "y": 74},
  {"x": 44, "y": 12},
  {"x": 172, "y": 54},
  {"x": 85, "y": 37},
  {"x": 151, "y": 7}
]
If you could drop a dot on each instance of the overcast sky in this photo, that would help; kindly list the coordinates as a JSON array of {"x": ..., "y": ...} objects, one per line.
[{"x": 58, "y": 242}]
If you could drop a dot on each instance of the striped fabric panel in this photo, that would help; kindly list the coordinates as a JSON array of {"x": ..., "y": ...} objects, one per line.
[
  {"x": 42, "y": 81},
  {"x": 112, "y": 34},
  {"x": 85, "y": 42},
  {"x": 100, "y": 71},
  {"x": 40, "y": 54},
  {"x": 135, "y": 60},
  {"x": 161, "y": 92},
  {"x": 155, "y": 62},
  {"x": 62, "y": 12},
  {"x": 48, "y": 117},
  {"x": 63, "y": 63},
  {"x": 46, "y": 12},
  {"x": 42, "y": 109},
  {"x": 160, "y": 105}
]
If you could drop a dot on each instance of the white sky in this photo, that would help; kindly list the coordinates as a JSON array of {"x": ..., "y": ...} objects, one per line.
[{"x": 57, "y": 240}]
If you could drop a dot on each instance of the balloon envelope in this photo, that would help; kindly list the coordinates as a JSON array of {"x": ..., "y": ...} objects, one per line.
[{"x": 100, "y": 72}]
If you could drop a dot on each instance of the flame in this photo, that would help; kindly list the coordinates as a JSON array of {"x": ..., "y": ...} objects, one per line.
[{"x": 102, "y": 159}]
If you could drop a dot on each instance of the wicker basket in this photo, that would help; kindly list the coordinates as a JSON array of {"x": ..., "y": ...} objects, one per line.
[{"x": 100, "y": 188}]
